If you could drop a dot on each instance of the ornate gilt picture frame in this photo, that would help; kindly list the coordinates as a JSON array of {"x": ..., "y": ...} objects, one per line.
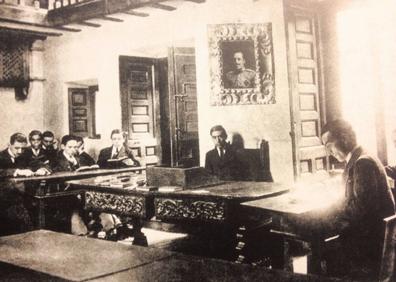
[{"x": 241, "y": 64}]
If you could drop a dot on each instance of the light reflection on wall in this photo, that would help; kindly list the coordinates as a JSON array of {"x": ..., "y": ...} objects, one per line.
[{"x": 368, "y": 67}]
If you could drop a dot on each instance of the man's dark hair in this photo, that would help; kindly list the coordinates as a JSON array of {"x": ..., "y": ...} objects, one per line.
[
  {"x": 342, "y": 133},
  {"x": 79, "y": 139},
  {"x": 118, "y": 131},
  {"x": 67, "y": 138},
  {"x": 48, "y": 134},
  {"x": 219, "y": 128},
  {"x": 35, "y": 132},
  {"x": 17, "y": 137}
]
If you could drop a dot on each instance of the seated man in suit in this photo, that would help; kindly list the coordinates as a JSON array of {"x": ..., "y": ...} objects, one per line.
[
  {"x": 85, "y": 159},
  {"x": 119, "y": 150},
  {"x": 67, "y": 159},
  {"x": 222, "y": 161},
  {"x": 368, "y": 200},
  {"x": 14, "y": 217},
  {"x": 35, "y": 156}
]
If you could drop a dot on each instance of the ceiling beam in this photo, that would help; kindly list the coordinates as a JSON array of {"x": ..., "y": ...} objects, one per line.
[
  {"x": 196, "y": 1},
  {"x": 162, "y": 6},
  {"x": 137, "y": 14},
  {"x": 28, "y": 29},
  {"x": 89, "y": 24},
  {"x": 107, "y": 18},
  {"x": 86, "y": 10}
]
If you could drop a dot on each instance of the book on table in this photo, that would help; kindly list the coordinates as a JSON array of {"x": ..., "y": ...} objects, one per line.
[{"x": 87, "y": 168}]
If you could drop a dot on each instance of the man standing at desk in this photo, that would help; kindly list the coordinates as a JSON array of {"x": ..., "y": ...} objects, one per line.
[
  {"x": 368, "y": 200},
  {"x": 222, "y": 161}
]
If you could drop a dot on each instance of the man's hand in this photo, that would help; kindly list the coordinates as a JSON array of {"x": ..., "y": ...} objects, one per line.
[
  {"x": 42, "y": 171},
  {"x": 55, "y": 144},
  {"x": 23, "y": 172}
]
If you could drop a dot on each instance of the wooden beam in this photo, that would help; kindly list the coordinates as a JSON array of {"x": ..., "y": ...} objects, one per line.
[
  {"x": 28, "y": 29},
  {"x": 107, "y": 18},
  {"x": 137, "y": 14},
  {"x": 89, "y": 24},
  {"x": 162, "y": 6},
  {"x": 196, "y": 1},
  {"x": 82, "y": 11}
]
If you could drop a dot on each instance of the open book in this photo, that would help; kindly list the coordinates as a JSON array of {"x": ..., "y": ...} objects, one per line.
[
  {"x": 120, "y": 159},
  {"x": 86, "y": 168}
]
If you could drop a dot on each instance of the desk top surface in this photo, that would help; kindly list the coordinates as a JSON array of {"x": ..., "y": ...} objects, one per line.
[
  {"x": 241, "y": 190},
  {"x": 75, "y": 175},
  {"x": 299, "y": 202},
  {"x": 71, "y": 257}
]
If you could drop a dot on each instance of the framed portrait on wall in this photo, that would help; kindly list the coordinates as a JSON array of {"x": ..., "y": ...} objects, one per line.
[{"x": 241, "y": 64}]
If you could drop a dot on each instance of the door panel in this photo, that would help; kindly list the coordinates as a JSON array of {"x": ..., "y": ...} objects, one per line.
[
  {"x": 140, "y": 111},
  {"x": 306, "y": 103},
  {"x": 183, "y": 107}
]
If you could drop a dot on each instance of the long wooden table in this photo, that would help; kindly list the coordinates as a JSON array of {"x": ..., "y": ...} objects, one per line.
[
  {"x": 212, "y": 211},
  {"x": 48, "y": 256},
  {"x": 50, "y": 189}
]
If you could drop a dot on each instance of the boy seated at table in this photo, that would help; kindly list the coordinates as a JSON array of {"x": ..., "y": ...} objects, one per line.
[
  {"x": 14, "y": 217},
  {"x": 84, "y": 158},
  {"x": 118, "y": 155},
  {"x": 68, "y": 160},
  {"x": 35, "y": 156}
]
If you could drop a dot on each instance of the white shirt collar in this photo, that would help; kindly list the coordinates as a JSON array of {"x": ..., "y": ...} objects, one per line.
[
  {"x": 349, "y": 156},
  {"x": 12, "y": 155}
]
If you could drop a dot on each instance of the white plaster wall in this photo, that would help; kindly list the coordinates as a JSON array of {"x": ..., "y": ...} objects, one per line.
[{"x": 93, "y": 53}]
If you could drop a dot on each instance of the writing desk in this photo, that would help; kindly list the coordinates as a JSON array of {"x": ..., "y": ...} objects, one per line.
[
  {"x": 51, "y": 189},
  {"x": 59, "y": 256},
  {"x": 301, "y": 215},
  {"x": 213, "y": 209},
  {"x": 49, "y": 256}
]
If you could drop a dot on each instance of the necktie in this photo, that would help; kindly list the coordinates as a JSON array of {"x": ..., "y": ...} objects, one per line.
[{"x": 221, "y": 153}]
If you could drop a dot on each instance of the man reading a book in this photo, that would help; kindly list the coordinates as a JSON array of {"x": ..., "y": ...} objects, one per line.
[{"x": 118, "y": 155}]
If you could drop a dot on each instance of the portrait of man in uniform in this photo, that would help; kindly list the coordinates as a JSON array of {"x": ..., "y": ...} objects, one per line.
[{"x": 238, "y": 64}]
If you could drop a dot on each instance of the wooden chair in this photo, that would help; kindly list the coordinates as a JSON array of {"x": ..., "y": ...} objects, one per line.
[{"x": 388, "y": 261}]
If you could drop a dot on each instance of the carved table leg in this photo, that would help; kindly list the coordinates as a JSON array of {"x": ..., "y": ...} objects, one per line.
[
  {"x": 139, "y": 237},
  {"x": 41, "y": 205}
]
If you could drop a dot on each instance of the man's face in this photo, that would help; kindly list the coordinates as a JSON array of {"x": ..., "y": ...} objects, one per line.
[
  {"x": 48, "y": 142},
  {"x": 219, "y": 139},
  {"x": 332, "y": 148},
  {"x": 70, "y": 148},
  {"x": 117, "y": 139},
  {"x": 17, "y": 148},
  {"x": 35, "y": 141},
  {"x": 239, "y": 61}
]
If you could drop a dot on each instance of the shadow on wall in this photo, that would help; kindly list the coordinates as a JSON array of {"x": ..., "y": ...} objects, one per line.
[{"x": 256, "y": 161}]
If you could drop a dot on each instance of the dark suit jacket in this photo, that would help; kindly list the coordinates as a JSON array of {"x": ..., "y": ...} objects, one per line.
[
  {"x": 86, "y": 160},
  {"x": 7, "y": 167},
  {"x": 368, "y": 200},
  {"x": 229, "y": 167},
  {"x": 63, "y": 164},
  {"x": 52, "y": 155},
  {"x": 105, "y": 154},
  {"x": 36, "y": 162}
]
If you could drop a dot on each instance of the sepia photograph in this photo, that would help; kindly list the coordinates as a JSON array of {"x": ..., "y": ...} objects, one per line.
[{"x": 197, "y": 140}]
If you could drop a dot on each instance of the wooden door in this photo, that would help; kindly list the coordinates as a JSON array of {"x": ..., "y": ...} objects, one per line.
[
  {"x": 140, "y": 107},
  {"x": 183, "y": 107},
  {"x": 307, "y": 108}
]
